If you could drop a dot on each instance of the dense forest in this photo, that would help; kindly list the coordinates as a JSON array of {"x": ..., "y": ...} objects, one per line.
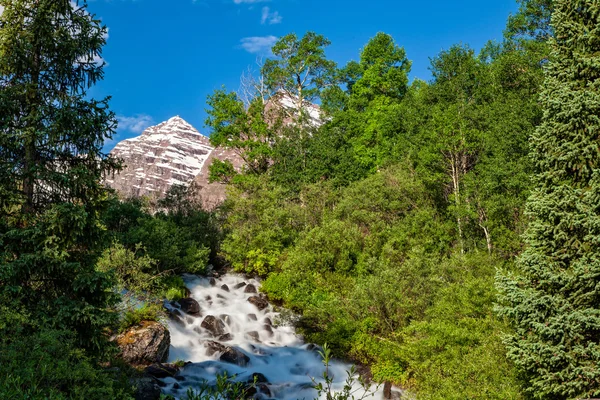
[{"x": 443, "y": 233}]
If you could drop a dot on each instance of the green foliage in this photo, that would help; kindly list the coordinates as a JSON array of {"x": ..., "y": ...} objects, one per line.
[
  {"x": 133, "y": 316},
  {"x": 51, "y": 166},
  {"x": 223, "y": 388},
  {"x": 49, "y": 365},
  {"x": 552, "y": 298},
  {"x": 133, "y": 272},
  {"x": 248, "y": 131},
  {"x": 300, "y": 68},
  {"x": 385, "y": 226},
  {"x": 180, "y": 238},
  {"x": 221, "y": 171},
  {"x": 261, "y": 226}
]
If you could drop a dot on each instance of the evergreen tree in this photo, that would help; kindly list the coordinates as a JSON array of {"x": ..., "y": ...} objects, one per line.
[
  {"x": 554, "y": 304},
  {"x": 52, "y": 164}
]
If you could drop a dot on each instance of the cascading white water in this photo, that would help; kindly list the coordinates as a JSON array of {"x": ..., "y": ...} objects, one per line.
[{"x": 273, "y": 350}]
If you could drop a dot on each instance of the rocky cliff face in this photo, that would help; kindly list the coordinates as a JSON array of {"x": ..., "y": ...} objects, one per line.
[
  {"x": 175, "y": 153},
  {"x": 171, "y": 153}
]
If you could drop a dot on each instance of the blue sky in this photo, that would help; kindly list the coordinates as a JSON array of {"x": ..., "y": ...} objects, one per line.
[{"x": 165, "y": 56}]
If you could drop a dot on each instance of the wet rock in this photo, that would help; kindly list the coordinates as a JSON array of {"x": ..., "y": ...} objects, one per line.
[
  {"x": 240, "y": 285},
  {"x": 146, "y": 388},
  {"x": 251, "y": 317},
  {"x": 176, "y": 386},
  {"x": 220, "y": 296},
  {"x": 225, "y": 288},
  {"x": 268, "y": 329},
  {"x": 258, "y": 378},
  {"x": 145, "y": 344},
  {"x": 226, "y": 337},
  {"x": 268, "y": 321},
  {"x": 253, "y": 335},
  {"x": 189, "y": 320},
  {"x": 228, "y": 354},
  {"x": 259, "y": 302},
  {"x": 214, "y": 325},
  {"x": 258, "y": 389},
  {"x": 214, "y": 347},
  {"x": 226, "y": 318},
  {"x": 250, "y": 288},
  {"x": 212, "y": 282},
  {"x": 190, "y": 306},
  {"x": 161, "y": 370},
  {"x": 198, "y": 330}
]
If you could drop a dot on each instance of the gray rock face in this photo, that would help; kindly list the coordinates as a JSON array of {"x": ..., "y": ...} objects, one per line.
[
  {"x": 145, "y": 344},
  {"x": 175, "y": 153},
  {"x": 170, "y": 153}
]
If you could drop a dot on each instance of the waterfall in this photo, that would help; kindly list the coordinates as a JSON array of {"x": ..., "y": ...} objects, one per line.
[{"x": 237, "y": 332}]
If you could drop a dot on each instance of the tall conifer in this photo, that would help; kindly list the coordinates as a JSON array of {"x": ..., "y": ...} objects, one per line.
[
  {"x": 51, "y": 164},
  {"x": 554, "y": 302}
]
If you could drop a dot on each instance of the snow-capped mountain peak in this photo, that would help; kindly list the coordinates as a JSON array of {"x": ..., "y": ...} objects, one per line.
[{"x": 170, "y": 153}]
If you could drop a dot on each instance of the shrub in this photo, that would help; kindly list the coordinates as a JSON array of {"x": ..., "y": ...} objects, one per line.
[
  {"x": 147, "y": 312},
  {"x": 47, "y": 365}
]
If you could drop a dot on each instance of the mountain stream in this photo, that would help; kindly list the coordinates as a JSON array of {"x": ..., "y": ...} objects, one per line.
[{"x": 237, "y": 332}]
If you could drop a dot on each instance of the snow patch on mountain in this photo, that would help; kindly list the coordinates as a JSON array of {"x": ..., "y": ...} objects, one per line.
[{"x": 170, "y": 153}]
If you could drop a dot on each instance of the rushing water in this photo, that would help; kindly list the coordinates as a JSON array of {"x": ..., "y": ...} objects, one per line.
[{"x": 272, "y": 348}]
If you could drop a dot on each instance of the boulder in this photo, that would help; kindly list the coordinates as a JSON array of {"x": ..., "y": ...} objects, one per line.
[
  {"x": 214, "y": 325},
  {"x": 190, "y": 306},
  {"x": 250, "y": 288},
  {"x": 258, "y": 378},
  {"x": 228, "y": 354},
  {"x": 226, "y": 337},
  {"x": 146, "y": 388},
  {"x": 260, "y": 389},
  {"x": 260, "y": 302},
  {"x": 268, "y": 329},
  {"x": 212, "y": 282},
  {"x": 253, "y": 335},
  {"x": 240, "y": 285},
  {"x": 251, "y": 317},
  {"x": 225, "y": 288},
  {"x": 161, "y": 371},
  {"x": 145, "y": 344}
]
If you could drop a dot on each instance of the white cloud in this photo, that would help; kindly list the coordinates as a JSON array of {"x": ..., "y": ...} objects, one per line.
[
  {"x": 258, "y": 44},
  {"x": 135, "y": 124},
  {"x": 270, "y": 17}
]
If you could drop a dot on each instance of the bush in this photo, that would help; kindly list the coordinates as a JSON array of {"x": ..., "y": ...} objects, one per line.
[
  {"x": 147, "y": 312},
  {"x": 134, "y": 271},
  {"x": 47, "y": 365}
]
